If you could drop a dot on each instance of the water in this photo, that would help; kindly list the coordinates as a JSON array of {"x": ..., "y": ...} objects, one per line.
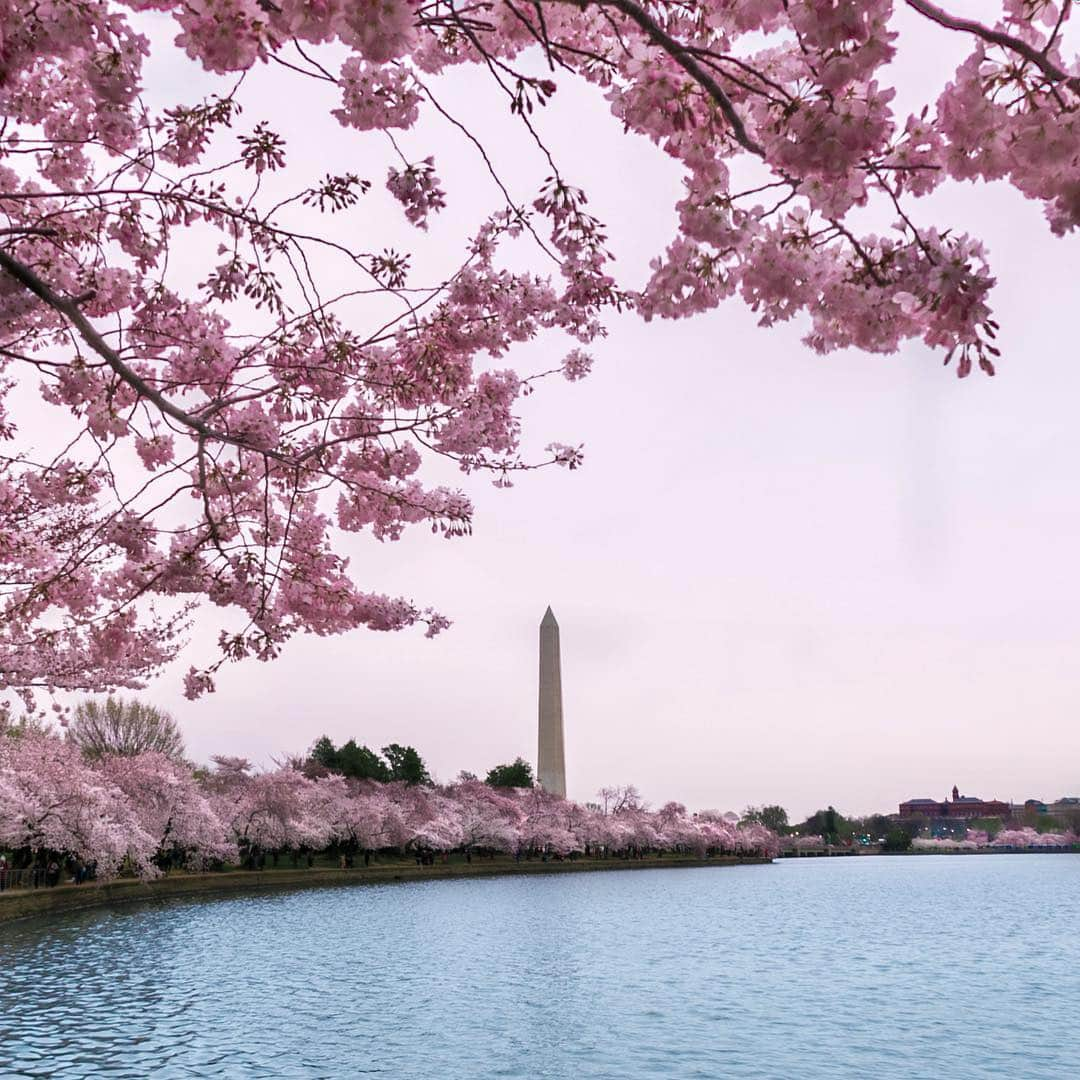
[{"x": 935, "y": 967}]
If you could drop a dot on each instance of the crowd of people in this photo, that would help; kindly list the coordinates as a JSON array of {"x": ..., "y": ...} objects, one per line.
[{"x": 44, "y": 872}]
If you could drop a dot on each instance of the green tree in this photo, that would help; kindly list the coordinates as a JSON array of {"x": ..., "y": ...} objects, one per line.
[
  {"x": 517, "y": 774},
  {"x": 351, "y": 759},
  {"x": 28, "y": 723},
  {"x": 124, "y": 727},
  {"x": 875, "y": 827},
  {"x": 363, "y": 763},
  {"x": 897, "y": 839},
  {"x": 772, "y": 817},
  {"x": 1049, "y": 823},
  {"x": 829, "y": 824},
  {"x": 406, "y": 764},
  {"x": 324, "y": 753},
  {"x": 989, "y": 825}
]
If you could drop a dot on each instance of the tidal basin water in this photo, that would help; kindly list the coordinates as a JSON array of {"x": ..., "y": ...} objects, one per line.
[{"x": 932, "y": 967}]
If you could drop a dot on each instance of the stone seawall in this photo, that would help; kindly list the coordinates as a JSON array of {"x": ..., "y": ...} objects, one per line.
[{"x": 25, "y": 903}]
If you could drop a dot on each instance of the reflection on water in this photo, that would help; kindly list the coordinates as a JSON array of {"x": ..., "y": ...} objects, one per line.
[{"x": 871, "y": 968}]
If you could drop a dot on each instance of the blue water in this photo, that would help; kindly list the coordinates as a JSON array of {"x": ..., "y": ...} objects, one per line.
[{"x": 957, "y": 967}]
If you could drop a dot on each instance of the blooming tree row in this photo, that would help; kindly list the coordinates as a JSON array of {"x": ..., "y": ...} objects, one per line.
[
  {"x": 807, "y": 843},
  {"x": 1029, "y": 838},
  {"x": 145, "y": 812},
  {"x": 977, "y": 839},
  {"x": 237, "y": 381},
  {"x": 947, "y": 843}
]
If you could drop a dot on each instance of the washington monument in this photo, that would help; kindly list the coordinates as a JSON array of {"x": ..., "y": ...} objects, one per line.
[{"x": 551, "y": 762}]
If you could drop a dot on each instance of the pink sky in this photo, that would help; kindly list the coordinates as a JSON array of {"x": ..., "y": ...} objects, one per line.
[{"x": 779, "y": 577}]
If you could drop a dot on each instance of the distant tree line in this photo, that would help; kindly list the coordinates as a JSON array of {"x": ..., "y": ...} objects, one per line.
[
  {"x": 395, "y": 763},
  {"x": 399, "y": 763},
  {"x": 834, "y": 828},
  {"x": 897, "y": 834}
]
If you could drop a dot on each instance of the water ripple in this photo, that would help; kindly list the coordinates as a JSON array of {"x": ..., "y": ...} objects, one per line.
[{"x": 823, "y": 969}]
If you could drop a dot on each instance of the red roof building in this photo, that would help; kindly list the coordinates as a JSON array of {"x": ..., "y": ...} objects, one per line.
[{"x": 959, "y": 807}]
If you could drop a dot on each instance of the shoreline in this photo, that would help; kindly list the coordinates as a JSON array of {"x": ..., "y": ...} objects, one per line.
[
  {"x": 865, "y": 851},
  {"x": 18, "y": 904}
]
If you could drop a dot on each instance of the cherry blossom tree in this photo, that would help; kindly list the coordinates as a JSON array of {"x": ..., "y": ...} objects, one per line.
[
  {"x": 717, "y": 831},
  {"x": 53, "y": 804},
  {"x": 235, "y": 382},
  {"x": 679, "y": 830},
  {"x": 753, "y": 839},
  {"x": 545, "y": 827},
  {"x": 433, "y": 819},
  {"x": 488, "y": 818},
  {"x": 269, "y": 811},
  {"x": 171, "y": 808},
  {"x": 614, "y": 800},
  {"x": 936, "y": 843},
  {"x": 287, "y": 813},
  {"x": 1029, "y": 838},
  {"x": 147, "y": 813}
]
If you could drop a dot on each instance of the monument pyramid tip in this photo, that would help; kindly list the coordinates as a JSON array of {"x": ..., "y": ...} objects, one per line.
[{"x": 549, "y": 615}]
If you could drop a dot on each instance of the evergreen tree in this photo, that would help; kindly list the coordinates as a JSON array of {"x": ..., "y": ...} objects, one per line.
[
  {"x": 406, "y": 764},
  {"x": 519, "y": 774},
  {"x": 324, "y": 753},
  {"x": 362, "y": 762}
]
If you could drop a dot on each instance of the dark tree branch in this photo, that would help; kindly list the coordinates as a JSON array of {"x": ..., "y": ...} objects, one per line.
[
  {"x": 71, "y": 311},
  {"x": 996, "y": 37},
  {"x": 684, "y": 57},
  {"x": 27, "y": 230}
]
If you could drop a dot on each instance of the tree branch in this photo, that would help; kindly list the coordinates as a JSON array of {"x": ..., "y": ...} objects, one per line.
[
  {"x": 996, "y": 37},
  {"x": 71, "y": 311},
  {"x": 27, "y": 230},
  {"x": 685, "y": 59}
]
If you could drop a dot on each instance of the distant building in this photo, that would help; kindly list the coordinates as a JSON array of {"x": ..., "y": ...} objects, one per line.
[
  {"x": 1063, "y": 809},
  {"x": 962, "y": 807}
]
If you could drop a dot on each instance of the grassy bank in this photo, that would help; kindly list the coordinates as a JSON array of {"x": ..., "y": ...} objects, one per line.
[{"x": 23, "y": 903}]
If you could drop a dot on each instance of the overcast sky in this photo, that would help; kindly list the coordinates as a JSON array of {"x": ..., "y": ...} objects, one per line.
[{"x": 779, "y": 577}]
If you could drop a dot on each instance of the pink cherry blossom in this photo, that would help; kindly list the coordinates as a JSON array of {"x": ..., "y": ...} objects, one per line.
[
  {"x": 1028, "y": 838},
  {"x": 145, "y": 813},
  {"x": 218, "y": 431}
]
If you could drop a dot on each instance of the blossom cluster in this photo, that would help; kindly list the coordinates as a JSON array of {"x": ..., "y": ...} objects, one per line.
[
  {"x": 219, "y": 437},
  {"x": 146, "y": 811}
]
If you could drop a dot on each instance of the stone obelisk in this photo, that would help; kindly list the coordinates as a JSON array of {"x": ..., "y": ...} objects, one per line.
[{"x": 551, "y": 762}]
